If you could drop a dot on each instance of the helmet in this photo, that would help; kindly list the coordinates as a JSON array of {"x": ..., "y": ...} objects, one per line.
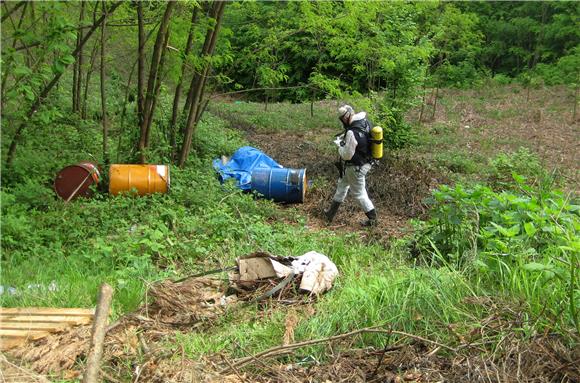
[{"x": 345, "y": 111}]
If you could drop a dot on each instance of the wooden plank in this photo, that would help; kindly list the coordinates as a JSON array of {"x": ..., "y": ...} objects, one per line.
[
  {"x": 32, "y": 326},
  {"x": 20, "y": 324},
  {"x": 45, "y": 311},
  {"x": 47, "y": 319},
  {"x": 27, "y": 334}
]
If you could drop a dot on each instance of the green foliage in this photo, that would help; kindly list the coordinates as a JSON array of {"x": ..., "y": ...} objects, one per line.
[
  {"x": 526, "y": 241},
  {"x": 397, "y": 132},
  {"x": 501, "y": 79},
  {"x": 123, "y": 240},
  {"x": 457, "y": 162},
  {"x": 564, "y": 71},
  {"x": 520, "y": 36},
  {"x": 456, "y": 43},
  {"x": 520, "y": 243},
  {"x": 522, "y": 162},
  {"x": 54, "y": 34},
  {"x": 329, "y": 49}
]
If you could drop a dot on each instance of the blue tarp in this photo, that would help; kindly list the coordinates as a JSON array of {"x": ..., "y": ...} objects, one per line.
[{"x": 241, "y": 164}]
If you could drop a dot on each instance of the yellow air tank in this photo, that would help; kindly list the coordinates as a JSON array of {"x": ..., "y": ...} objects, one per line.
[
  {"x": 377, "y": 142},
  {"x": 145, "y": 179}
]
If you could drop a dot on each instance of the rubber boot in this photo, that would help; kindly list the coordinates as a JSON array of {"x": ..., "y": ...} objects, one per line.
[
  {"x": 372, "y": 218},
  {"x": 331, "y": 212}
]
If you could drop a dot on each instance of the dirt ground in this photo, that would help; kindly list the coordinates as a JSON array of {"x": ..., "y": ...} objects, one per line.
[
  {"x": 396, "y": 185},
  {"x": 482, "y": 123},
  {"x": 493, "y": 120}
]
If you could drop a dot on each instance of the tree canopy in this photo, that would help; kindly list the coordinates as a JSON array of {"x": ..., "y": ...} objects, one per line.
[{"x": 162, "y": 60}]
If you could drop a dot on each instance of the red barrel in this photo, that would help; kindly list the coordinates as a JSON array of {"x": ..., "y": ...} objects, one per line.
[{"x": 75, "y": 180}]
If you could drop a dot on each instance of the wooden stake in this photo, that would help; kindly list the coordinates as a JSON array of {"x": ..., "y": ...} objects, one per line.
[{"x": 98, "y": 334}]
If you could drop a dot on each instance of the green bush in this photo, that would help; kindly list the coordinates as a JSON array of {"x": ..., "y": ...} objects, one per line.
[
  {"x": 525, "y": 243},
  {"x": 522, "y": 162},
  {"x": 457, "y": 162},
  {"x": 501, "y": 79}
]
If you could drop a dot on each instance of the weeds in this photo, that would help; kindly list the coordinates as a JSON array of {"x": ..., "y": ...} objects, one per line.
[{"x": 520, "y": 243}]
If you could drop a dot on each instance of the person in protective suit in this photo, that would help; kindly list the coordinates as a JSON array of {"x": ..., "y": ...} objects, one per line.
[{"x": 354, "y": 151}]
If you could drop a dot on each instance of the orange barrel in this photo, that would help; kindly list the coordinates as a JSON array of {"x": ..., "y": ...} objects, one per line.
[
  {"x": 75, "y": 180},
  {"x": 145, "y": 179}
]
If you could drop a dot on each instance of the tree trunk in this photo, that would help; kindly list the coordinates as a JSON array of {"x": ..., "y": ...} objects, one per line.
[
  {"x": 435, "y": 102},
  {"x": 154, "y": 70},
  {"x": 198, "y": 82},
  {"x": 576, "y": 98},
  {"x": 99, "y": 331},
  {"x": 176, "y": 98},
  {"x": 44, "y": 93},
  {"x": 540, "y": 40},
  {"x": 77, "y": 68},
  {"x": 80, "y": 61},
  {"x": 140, "y": 63},
  {"x": 423, "y": 102},
  {"x": 88, "y": 80},
  {"x": 103, "y": 91},
  {"x": 124, "y": 111},
  {"x": 6, "y": 71},
  {"x": 528, "y": 86},
  {"x": 126, "y": 100},
  {"x": 207, "y": 9},
  {"x": 157, "y": 85}
]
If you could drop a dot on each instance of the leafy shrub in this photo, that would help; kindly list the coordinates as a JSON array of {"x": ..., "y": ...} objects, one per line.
[
  {"x": 512, "y": 239},
  {"x": 564, "y": 71},
  {"x": 382, "y": 111},
  {"x": 214, "y": 140},
  {"x": 462, "y": 75},
  {"x": 32, "y": 195},
  {"x": 501, "y": 79},
  {"x": 457, "y": 162},
  {"x": 398, "y": 133},
  {"x": 522, "y": 162}
]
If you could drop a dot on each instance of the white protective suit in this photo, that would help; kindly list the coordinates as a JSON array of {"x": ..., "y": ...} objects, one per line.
[{"x": 354, "y": 178}]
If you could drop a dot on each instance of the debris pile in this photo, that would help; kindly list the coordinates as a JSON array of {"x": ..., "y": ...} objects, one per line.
[
  {"x": 187, "y": 302},
  {"x": 312, "y": 272},
  {"x": 192, "y": 303}
]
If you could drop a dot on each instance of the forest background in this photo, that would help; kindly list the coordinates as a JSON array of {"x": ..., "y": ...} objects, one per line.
[{"x": 182, "y": 83}]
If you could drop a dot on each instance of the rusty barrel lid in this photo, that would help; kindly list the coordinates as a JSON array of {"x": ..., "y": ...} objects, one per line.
[{"x": 75, "y": 180}]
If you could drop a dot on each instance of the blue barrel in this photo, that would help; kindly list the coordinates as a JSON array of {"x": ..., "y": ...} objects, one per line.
[{"x": 280, "y": 184}]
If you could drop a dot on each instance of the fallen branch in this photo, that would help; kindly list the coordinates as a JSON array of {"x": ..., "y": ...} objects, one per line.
[
  {"x": 233, "y": 368},
  {"x": 415, "y": 337},
  {"x": 280, "y": 350}
]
